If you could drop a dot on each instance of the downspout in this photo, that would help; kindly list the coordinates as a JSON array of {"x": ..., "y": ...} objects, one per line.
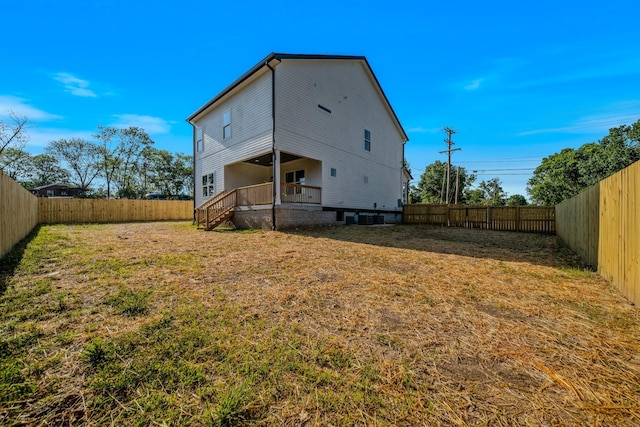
[
  {"x": 195, "y": 150},
  {"x": 273, "y": 144}
]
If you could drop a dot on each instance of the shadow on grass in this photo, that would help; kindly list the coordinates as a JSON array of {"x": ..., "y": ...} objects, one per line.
[
  {"x": 540, "y": 249},
  {"x": 11, "y": 260}
]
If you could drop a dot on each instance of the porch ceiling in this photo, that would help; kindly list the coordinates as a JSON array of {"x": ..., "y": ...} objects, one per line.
[{"x": 265, "y": 159}]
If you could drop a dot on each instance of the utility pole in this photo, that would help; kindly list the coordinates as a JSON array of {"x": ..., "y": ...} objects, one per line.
[{"x": 449, "y": 150}]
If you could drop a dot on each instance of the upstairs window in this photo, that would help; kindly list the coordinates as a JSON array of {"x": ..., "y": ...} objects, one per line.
[
  {"x": 226, "y": 125},
  {"x": 199, "y": 139},
  {"x": 297, "y": 178},
  {"x": 367, "y": 140}
]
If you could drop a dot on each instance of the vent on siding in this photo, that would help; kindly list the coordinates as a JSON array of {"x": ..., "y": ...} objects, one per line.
[{"x": 323, "y": 108}]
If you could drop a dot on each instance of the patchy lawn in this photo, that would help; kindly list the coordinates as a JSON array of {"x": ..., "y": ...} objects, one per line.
[{"x": 159, "y": 323}]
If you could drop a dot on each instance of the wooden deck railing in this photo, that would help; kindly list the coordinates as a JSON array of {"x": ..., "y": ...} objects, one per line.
[
  {"x": 259, "y": 194},
  {"x": 220, "y": 207},
  {"x": 214, "y": 211},
  {"x": 295, "y": 193}
]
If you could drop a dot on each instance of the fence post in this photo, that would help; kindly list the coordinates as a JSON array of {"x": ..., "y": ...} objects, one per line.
[{"x": 488, "y": 221}]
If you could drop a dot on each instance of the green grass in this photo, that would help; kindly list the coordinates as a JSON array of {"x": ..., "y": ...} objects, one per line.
[{"x": 92, "y": 332}]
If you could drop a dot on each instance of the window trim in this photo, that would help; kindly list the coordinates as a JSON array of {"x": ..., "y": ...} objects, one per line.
[
  {"x": 209, "y": 184},
  {"x": 199, "y": 140},
  {"x": 367, "y": 140},
  {"x": 226, "y": 125}
]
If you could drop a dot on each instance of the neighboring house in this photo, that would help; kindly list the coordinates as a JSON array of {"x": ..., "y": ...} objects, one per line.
[
  {"x": 299, "y": 140},
  {"x": 57, "y": 190}
]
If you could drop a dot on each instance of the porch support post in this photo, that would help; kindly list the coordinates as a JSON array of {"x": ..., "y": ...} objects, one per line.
[{"x": 276, "y": 177}]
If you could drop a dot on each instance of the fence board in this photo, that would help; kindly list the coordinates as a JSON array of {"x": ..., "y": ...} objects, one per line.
[{"x": 531, "y": 219}]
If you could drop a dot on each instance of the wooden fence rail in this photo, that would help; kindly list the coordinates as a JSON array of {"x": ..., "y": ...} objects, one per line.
[{"x": 529, "y": 219}]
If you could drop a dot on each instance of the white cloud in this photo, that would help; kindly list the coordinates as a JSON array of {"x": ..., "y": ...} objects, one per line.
[
  {"x": 475, "y": 84},
  {"x": 610, "y": 116},
  {"x": 420, "y": 129},
  {"x": 41, "y": 137},
  {"x": 22, "y": 107},
  {"x": 74, "y": 85},
  {"x": 152, "y": 125}
]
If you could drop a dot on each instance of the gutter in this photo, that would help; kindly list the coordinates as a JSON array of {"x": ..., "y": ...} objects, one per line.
[{"x": 273, "y": 144}]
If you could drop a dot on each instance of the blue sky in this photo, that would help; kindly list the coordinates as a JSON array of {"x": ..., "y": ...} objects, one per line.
[{"x": 517, "y": 81}]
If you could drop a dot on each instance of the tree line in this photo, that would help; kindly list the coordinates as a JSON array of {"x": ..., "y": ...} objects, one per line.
[
  {"x": 565, "y": 174},
  {"x": 558, "y": 177},
  {"x": 432, "y": 188},
  {"x": 118, "y": 163}
]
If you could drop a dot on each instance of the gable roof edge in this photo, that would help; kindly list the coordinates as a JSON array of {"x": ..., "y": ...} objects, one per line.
[{"x": 281, "y": 56}]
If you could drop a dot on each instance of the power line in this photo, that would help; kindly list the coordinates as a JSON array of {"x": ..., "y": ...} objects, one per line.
[{"x": 506, "y": 169}]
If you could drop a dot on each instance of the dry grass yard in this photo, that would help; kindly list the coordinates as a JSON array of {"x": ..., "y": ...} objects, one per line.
[{"x": 162, "y": 324}]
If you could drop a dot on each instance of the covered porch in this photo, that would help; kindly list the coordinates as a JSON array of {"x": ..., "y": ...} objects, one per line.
[
  {"x": 265, "y": 181},
  {"x": 222, "y": 206}
]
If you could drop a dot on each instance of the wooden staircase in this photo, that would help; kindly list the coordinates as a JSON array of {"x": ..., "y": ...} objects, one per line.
[{"x": 216, "y": 210}]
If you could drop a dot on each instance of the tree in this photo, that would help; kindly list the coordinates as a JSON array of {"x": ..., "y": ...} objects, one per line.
[
  {"x": 495, "y": 195},
  {"x": 563, "y": 175},
  {"x": 13, "y": 135},
  {"x": 16, "y": 163},
  {"x": 517, "y": 200},
  {"x": 432, "y": 185},
  {"x": 488, "y": 193},
  {"x": 80, "y": 156},
  {"x": 475, "y": 197},
  {"x": 414, "y": 194},
  {"x": 46, "y": 170},
  {"x": 556, "y": 179},
  {"x": 119, "y": 151},
  {"x": 166, "y": 173}
]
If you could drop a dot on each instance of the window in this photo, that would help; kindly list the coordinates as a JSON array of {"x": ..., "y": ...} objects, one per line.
[
  {"x": 199, "y": 139},
  {"x": 226, "y": 125},
  {"x": 366, "y": 179},
  {"x": 334, "y": 172},
  {"x": 296, "y": 177},
  {"x": 367, "y": 140},
  {"x": 209, "y": 185},
  {"x": 50, "y": 193}
]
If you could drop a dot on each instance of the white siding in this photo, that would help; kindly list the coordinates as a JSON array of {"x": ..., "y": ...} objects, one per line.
[
  {"x": 337, "y": 138},
  {"x": 250, "y": 132}
]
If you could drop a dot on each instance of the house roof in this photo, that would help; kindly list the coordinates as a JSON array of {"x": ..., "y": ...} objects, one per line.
[
  {"x": 59, "y": 185},
  {"x": 282, "y": 56}
]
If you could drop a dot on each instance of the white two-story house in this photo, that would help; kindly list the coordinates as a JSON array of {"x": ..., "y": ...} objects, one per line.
[{"x": 299, "y": 140}]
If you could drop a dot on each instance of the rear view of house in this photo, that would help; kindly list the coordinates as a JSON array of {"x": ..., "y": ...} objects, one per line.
[{"x": 299, "y": 140}]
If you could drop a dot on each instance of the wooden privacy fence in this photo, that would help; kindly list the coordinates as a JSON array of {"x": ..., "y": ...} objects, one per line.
[
  {"x": 53, "y": 210},
  {"x": 602, "y": 224},
  {"x": 529, "y": 219},
  {"x": 18, "y": 213}
]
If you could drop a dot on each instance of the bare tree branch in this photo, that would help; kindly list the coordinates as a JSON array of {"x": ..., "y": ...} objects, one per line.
[{"x": 13, "y": 132}]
